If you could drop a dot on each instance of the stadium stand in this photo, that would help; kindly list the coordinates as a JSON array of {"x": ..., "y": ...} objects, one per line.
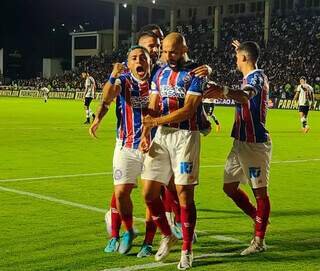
[{"x": 286, "y": 57}]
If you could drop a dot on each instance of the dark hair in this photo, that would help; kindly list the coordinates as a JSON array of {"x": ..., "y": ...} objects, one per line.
[
  {"x": 150, "y": 27},
  {"x": 251, "y": 48},
  {"x": 303, "y": 78},
  {"x": 133, "y": 47},
  {"x": 146, "y": 33}
]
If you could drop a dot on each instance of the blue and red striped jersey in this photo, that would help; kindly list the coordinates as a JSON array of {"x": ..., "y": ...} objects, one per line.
[
  {"x": 250, "y": 118},
  {"x": 173, "y": 86},
  {"x": 131, "y": 105}
]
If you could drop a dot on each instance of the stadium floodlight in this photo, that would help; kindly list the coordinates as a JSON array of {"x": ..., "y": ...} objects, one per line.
[
  {"x": 53, "y": 30},
  {"x": 125, "y": 5},
  {"x": 153, "y": 1},
  {"x": 62, "y": 25}
]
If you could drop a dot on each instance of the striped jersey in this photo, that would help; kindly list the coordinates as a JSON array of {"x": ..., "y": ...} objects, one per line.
[
  {"x": 131, "y": 105},
  {"x": 250, "y": 118},
  {"x": 173, "y": 86}
]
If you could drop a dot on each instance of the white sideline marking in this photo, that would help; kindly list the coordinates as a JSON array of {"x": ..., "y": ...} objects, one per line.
[
  {"x": 155, "y": 265},
  {"x": 110, "y": 173},
  {"x": 60, "y": 201},
  {"x": 55, "y": 177},
  {"x": 227, "y": 239}
]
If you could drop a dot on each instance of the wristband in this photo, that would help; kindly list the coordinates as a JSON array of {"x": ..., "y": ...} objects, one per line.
[
  {"x": 225, "y": 91},
  {"x": 112, "y": 80}
]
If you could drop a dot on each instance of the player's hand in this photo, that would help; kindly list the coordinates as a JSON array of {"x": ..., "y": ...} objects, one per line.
[
  {"x": 202, "y": 71},
  {"x": 118, "y": 68},
  {"x": 144, "y": 145},
  {"x": 236, "y": 44},
  {"x": 213, "y": 92},
  {"x": 94, "y": 127},
  {"x": 149, "y": 122}
]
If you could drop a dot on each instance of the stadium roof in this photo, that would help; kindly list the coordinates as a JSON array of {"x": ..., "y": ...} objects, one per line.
[{"x": 166, "y": 3}]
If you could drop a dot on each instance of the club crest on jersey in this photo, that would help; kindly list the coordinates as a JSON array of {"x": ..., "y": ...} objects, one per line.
[
  {"x": 186, "y": 167},
  {"x": 254, "y": 173}
]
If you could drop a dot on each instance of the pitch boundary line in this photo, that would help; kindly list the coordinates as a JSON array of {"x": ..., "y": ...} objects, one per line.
[
  {"x": 110, "y": 173},
  {"x": 148, "y": 266}
]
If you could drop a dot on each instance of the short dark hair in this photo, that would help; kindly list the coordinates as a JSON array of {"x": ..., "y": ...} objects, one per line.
[
  {"x": 150, "y": 27},
  {"x": 303, "y": 78},
  {"x": 133, "y": 47},
  {"x": 251, "y": 48},
  {"x": 146, "y": 33}
]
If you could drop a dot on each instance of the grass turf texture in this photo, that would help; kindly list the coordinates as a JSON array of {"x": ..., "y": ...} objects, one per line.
[{"x": 39, "y": 139}]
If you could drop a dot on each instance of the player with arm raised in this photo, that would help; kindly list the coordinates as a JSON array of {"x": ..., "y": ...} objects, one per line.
[
  {"x": 132, "y": 92},
  {"x": 249, "y": 159}
]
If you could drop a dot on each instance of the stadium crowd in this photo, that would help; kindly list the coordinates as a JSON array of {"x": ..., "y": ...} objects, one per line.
[{"x": 285, "y": 58}]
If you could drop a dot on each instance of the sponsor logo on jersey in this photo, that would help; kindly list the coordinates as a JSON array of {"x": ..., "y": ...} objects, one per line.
[
  {"x": 172, "y": 91},
  {"x": 139, "y": 102}
]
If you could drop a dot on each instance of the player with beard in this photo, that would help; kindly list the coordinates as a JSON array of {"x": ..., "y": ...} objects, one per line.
[
  {"x": 175, "y": 148},
  {"x": 131, "y": 89}
]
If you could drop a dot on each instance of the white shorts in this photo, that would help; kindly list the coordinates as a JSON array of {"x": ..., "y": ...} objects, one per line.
[
  {"x": 248, "y": 163},
  {"x": 173, "y": 152},
  {"x": 127, "y": 165}
]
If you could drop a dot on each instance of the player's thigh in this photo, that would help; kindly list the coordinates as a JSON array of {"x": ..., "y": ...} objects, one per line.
[
  {"x": 255, "y": 160},
  {"x": 157, "y": 165},
  {"x": 233, "y": 172},
  {"x": 185, "y": 156},
  {"x": 127, "y": 165}
]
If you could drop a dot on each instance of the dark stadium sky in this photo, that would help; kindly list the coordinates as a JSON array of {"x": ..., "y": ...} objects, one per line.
[{"x": 26, "y": 26}]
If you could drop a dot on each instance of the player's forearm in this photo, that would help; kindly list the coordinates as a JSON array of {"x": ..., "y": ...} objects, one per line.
[
  {"x": 217, "y": 91},
  {"x": 177, "y": 116},
  {"x": 238, "y": 95},
  {"x": 102, "y": 110},
  {"x": 109, "y": 92}
]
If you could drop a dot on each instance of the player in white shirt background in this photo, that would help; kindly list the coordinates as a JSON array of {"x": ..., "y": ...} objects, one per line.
[
  {"x": 89, "y": 92},
  {"x": 305, "y": 97}
]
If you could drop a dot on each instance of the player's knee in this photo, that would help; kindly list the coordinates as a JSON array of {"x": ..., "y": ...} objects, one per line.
[
  {"x": 122, "y": 194},
  {"x": 230, "y": 191}
]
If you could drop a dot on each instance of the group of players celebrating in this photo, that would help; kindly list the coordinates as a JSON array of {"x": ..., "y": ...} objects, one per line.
[{"x": 159, "y": 94}]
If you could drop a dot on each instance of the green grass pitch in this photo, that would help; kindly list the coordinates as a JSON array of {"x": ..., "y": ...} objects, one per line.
[{"x": 40, "y": 230}]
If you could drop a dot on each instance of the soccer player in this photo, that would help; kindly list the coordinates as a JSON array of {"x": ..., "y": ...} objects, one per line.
[
  {"x": 249, "y": 158},
  {"x": 305, "y": 96},
  {"x": 89, "y": 91},
  {"x": 176, "y": 146},
  {"x": 208, "y": 106},
  {"x": 132, "y": 92},
  {"x": 45, "y": 92}
]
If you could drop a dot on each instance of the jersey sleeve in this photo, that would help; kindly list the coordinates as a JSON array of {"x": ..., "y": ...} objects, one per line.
[
  {"x": 154, "y": 88},
  {"x": 255, "y": 81},
  {"x": 196, "y": 86}
]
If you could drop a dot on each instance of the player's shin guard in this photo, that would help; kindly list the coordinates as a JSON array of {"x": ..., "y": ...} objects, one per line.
[
  {"x": 115, "y": 218},
  {"x": 188, "y": 220},
  {"x": 262, "y": 218},
  {"x": 158, "y": 215},
  {"x": 87, "y": 113},
  {"x": 151, "y": 229},
  {"x": 242, "y": 200}
]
